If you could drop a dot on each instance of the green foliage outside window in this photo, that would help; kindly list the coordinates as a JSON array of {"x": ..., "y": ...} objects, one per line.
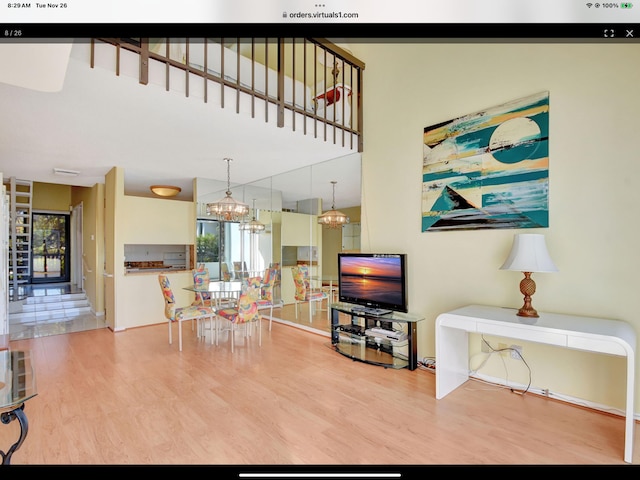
[{"x": 207, "y": 248}]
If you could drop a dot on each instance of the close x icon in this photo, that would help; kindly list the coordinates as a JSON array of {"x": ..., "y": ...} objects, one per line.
[{"x": 613, "y": 33}]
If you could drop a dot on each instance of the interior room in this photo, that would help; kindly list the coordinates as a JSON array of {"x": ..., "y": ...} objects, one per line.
[{"x": 593, "y": 90}]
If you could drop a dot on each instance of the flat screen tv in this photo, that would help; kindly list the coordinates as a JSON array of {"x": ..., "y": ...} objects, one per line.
[{"x": 373, "y": 280}]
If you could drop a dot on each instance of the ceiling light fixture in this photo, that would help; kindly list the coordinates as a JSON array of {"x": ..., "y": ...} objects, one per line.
[
  {"x": 254, "y": 226},
  {"x": 165, "y": 190},
  {"x": 333, "y": 218},
  {"x": 227, "y": 209}
]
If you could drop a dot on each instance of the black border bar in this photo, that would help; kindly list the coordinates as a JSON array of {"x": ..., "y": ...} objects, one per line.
[{"x": 355, "y": 31}]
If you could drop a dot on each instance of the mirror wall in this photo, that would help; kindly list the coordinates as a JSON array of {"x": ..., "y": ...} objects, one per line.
[{"x": 288, "y": 204}]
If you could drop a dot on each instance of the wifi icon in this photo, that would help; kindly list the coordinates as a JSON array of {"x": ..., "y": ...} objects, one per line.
[{"x": 589, "y": 5}]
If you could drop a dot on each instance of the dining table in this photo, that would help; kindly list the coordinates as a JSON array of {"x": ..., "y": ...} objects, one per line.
[
  {"x": 218, "y": 291},
  {"x": 223, "y": 294}
]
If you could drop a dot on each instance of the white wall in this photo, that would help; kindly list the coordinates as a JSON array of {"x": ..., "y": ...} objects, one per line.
[{"x": 593, "y": 162}]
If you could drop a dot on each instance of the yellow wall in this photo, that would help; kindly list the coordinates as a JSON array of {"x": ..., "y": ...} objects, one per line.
[
  {"x": 51, "y": 197},
  {"x": 593, "y": 232},
  {"x": 92, "y": 200},
  {"x": 138, "y": 220}
]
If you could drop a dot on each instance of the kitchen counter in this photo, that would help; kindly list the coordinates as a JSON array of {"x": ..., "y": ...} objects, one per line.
[{"x": 168, "y": 269}]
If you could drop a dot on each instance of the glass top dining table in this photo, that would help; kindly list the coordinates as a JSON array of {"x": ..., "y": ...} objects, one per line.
[{"x": 217, "y": 289}]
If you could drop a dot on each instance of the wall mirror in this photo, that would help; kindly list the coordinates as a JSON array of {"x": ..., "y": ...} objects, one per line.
[{"x": 288, "y": 205}]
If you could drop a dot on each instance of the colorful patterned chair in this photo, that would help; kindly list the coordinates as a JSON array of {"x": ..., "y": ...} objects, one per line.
[
  {"x": 224, "y": 270},
  {"x": 245, "y": 313},
  {"x": 173, "y": 313},
  {"x": 304, "y": 292},
  {"x": 276, "y": 283},
  {"x": 268, "y": 297},
  {"x": 240, "y": 271},
  {"x": 264, "y": 285},
  {"x": 201, "y": 279}
]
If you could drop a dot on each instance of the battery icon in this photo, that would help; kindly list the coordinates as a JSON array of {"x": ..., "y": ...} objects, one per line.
[{"x": 626, "y": 5}]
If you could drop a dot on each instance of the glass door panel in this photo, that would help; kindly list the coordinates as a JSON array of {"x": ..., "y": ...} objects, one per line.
[{"x": 49, "y": 248}]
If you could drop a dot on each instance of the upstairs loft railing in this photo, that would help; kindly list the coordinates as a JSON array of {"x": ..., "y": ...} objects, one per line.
[{"x": 306, "y": 84}]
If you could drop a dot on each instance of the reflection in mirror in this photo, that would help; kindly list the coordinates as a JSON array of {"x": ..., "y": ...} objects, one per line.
[{"x": 288, "y": 204}]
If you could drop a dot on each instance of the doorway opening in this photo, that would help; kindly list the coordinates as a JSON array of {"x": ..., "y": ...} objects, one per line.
[{"x": 50, "y": 250}]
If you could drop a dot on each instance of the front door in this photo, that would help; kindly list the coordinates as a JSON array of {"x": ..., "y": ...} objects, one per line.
[{"x": 50, "y": 248}]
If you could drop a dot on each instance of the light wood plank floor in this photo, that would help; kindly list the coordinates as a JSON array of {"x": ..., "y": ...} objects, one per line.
[{"x": 131, "y": 398}]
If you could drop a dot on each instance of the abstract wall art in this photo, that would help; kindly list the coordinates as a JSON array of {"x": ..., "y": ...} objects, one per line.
[{"x": 489, "y": 169}]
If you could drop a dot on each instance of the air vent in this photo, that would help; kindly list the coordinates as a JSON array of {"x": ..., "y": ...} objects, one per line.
[{"x": 66, "y": 172}]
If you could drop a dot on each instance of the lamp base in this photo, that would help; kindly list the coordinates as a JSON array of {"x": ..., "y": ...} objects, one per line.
[
  {"x": 527, "y": 311},
  {"x": 527, "y": 288}
]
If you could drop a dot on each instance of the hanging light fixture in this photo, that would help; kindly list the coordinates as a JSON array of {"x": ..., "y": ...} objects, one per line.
[
  {"x": 333, "y": 218},
  {"x": 227, "y": 209},
  {"x": 254, "y": 226}
]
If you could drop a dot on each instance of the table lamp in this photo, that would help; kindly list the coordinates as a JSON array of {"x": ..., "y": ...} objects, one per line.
[{"x": 528, "y": 254}]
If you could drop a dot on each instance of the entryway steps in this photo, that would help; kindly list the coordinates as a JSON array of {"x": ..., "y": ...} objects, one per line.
[{"x": 48, "y": 307}]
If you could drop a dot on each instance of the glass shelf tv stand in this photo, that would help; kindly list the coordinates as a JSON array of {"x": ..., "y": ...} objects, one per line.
[{"x": 355, "y": 334}]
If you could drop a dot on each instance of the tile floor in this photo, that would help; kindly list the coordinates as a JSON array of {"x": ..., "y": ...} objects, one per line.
[
  {"x": 68, "y": 320},
  {"x": 61, "y": 320}
]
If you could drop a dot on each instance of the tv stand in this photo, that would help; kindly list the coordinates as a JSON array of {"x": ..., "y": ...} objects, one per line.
[
  {"x": 371, "y": 310},
  {"x": 351, "y": 335}
]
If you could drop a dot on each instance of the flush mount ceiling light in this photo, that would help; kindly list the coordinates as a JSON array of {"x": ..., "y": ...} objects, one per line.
[
  {"x": 254, "y": 226},
  {"x": 165, "y": 190},
  {"x": 227, "y": 209},
  {"x": 66, "y": 172},
  {"x": 333, "y": 218}
]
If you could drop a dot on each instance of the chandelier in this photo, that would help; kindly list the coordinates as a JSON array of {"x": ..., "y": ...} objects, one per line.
[
  {"x": 333, "y": 218},
  {"x": 254, "y": 226},
  {"x": 227, "y": 209}
]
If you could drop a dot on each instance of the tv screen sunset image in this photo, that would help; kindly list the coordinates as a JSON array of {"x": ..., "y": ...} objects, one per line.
[{"x": 378, "y": 279}]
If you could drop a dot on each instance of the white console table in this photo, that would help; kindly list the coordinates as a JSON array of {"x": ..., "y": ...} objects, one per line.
[{"x": 597, "y": 335}]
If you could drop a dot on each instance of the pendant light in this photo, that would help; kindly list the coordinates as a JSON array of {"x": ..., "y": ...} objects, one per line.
[
  {"x": 227, "y": 209},
  {"x": 333, "y": 218},
  {"x": 254, "y": 226}
]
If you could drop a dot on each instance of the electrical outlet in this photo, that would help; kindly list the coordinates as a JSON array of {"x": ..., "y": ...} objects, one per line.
[{"x": 516, "y": 352}]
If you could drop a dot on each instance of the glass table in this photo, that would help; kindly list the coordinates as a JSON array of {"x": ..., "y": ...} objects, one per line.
[
  {"x": 217, "y": 290},
  {"x": 17, "y": 385},
  {"x": 223, "y": 294}
]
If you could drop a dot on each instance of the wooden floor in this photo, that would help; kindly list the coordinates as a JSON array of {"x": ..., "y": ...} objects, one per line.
[{"x": 131, "y": 398}]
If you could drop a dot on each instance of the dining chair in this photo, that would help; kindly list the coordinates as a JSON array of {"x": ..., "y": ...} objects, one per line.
[
  {"x": 224, "y": 270},
  {"x": 173, "y": 313},
  {"x": 267, "y": 293},
  {"x": 331, "y": 288},
  {"x": 276, "y": 283},
  {"x": 304, "y": 293},
  {"x": 240, "y": 270},
  {"x": 264, "y": 286},
  {"x": 246, "y": 312},
  {"x": 201, "y": 279}
]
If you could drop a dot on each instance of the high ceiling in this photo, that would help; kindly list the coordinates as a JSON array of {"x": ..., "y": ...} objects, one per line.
[{"x": 99, "y": 120}]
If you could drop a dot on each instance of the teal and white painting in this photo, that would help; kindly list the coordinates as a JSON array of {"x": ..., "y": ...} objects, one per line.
[{"x": 489, "y": 169}]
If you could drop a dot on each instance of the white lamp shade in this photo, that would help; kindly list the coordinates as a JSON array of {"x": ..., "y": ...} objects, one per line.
[{"x": 529, "y": 254}]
